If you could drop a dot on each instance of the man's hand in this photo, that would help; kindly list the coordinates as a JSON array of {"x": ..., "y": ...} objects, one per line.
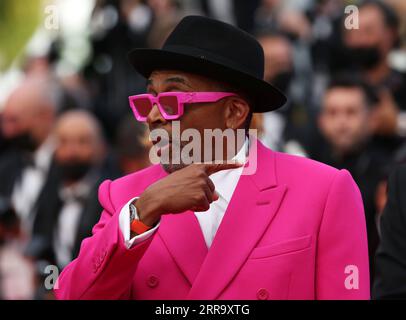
[{"x": 189, "y": 188}]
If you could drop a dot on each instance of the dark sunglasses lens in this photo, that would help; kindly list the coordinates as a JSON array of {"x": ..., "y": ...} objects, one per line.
[
  {"x": 169, "y": 105},
  {"x": 143, "y": 106}
]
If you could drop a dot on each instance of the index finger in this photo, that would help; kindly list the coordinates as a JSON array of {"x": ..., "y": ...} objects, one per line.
[{"x": 211, "y": 168}]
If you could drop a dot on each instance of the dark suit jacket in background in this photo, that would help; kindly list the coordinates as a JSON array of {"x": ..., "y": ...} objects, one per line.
[
  {"x": 390, "y": 277},
  {"x": 12, "y": 164},
  {"x": 11, "y": 167},
  {"x": 48, "y": 210}
]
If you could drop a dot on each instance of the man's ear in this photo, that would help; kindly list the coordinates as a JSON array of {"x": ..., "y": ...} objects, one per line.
[{"x": 236, "y": 112}]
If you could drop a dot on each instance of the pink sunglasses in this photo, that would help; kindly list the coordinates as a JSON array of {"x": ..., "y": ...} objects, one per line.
[{"x": 171, "y": 104}]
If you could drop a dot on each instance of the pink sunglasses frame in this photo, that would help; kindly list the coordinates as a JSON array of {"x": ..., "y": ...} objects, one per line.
[{"x": 182, "y": 98}]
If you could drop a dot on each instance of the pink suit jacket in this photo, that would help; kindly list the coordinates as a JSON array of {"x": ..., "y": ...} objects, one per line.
[{"x": 293, "y": 230}]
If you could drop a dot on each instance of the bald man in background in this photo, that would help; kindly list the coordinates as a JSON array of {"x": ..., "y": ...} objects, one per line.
[
  {"x": 69, "y": 206},
  {"x": 27, "y": 121}
]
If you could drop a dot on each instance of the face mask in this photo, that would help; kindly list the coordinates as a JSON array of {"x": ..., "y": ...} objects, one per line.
[
  {"x": 23, "y": 141},
  {"x": 74, "y": 171},
  {"x": 365, "y": 58},
  {"x": 282, "y": 80},
  {"x": 292, "y": 36}
]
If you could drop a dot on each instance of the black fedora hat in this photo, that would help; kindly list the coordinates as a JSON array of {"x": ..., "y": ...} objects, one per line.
[{"x": 215, "y": 49}]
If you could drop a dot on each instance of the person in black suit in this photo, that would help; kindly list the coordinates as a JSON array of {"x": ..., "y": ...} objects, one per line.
[
  {"x": 26, "y": 159},
  {"x": 69, "y": 208},
  {"x": 390, "y": 276},
  {"x": 343, "y": 122}
]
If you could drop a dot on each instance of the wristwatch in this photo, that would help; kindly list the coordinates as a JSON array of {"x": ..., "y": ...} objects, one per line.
[
  {"x": 133, "y": 212},
  {"x": 136, "y": 225}
]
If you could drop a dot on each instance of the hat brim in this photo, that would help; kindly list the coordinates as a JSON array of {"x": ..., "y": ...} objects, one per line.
[{"x": 265, "y": 96}]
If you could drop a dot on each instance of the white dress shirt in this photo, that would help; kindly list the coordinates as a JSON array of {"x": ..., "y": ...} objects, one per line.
[
  {"x": 225, "y": 182},
  {"x": 27, "y": 190},
  {"x": 68, "y": 220}
]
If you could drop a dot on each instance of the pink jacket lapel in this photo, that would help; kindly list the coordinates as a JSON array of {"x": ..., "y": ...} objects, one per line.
[
  {"x": 255, "y": 202},
  {"x": 184, "y": 240}
]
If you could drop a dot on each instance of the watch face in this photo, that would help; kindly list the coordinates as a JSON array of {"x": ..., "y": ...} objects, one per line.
[{"x": 133, "y": 211}]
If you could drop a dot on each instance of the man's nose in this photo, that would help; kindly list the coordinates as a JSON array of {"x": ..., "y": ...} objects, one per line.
[
  {"x": 155, "y": 117},
  {"x": 342, "y": 122}
]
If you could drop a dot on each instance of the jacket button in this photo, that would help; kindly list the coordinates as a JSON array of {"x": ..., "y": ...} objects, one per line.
[
  {"x": 262, "y": 294},
  {"x": 152, "y": 281}
]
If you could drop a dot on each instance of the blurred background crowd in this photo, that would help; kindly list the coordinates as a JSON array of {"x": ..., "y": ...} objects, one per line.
[{"x": 65, "y": 123}]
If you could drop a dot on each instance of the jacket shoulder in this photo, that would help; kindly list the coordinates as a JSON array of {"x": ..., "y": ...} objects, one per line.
[
  {"x": 119, "y": 191},
  {"x": 144, "y": 174},
  {"x": 290, "y": 167}
]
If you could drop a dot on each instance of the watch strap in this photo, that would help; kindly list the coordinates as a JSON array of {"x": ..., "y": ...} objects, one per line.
[{"x": 136, "y": 225}]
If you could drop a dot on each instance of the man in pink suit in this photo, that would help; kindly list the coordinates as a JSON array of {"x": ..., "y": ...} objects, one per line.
[{"x": 291, "y": 228}]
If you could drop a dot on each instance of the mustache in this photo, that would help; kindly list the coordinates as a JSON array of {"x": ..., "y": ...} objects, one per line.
[{"x": 163, "y": 140}]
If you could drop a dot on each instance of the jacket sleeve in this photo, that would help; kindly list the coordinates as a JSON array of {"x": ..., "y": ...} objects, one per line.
[
  {"x": 390, "y": 277},
  {"x": 104, "y": 268},
  {"x": 342, "y": 267}
]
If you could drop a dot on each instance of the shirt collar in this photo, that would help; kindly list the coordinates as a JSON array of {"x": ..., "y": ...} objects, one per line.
[
  {"x": 82, "y": 188},
  {"x": 78, "y": 191},
  {"x": 241, "y": 155},
  {"x": 225, "y": 181}
]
